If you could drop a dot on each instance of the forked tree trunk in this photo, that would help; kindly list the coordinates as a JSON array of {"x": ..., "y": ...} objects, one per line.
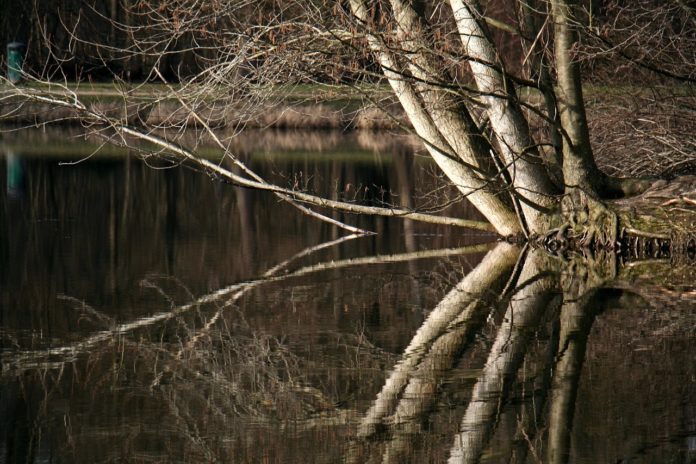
[
  {"x": 460, "y": 164},
  {"x": 449, "y": 133}
]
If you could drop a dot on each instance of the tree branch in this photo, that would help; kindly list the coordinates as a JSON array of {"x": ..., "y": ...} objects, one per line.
[{"x": 92, "y": 117}]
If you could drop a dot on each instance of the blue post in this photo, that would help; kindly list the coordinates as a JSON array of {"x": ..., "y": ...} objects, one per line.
[
  {"x": 15, "y": 60},
  {"x": 15, "y": 175}
]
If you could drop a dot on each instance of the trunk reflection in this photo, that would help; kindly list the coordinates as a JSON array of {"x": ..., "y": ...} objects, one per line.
[{"x": 538, "y": 300}]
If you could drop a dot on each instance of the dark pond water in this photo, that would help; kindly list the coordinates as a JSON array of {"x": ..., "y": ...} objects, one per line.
[{"x": 159, "y": 315}]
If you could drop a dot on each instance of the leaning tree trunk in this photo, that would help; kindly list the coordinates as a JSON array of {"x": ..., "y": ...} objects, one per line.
[
  {"x": 518, "y": 151},
  {"x": 407, "y": 53},
  {"x": 445, "y": 125}
]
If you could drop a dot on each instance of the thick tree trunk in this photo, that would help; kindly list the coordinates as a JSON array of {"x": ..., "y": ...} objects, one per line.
[
  {"x": 519, "y": 152},
  {"x": 579, "y": 167}
]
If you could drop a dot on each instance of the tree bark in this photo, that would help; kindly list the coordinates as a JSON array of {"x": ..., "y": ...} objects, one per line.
[{"x": 519, "y": 152}]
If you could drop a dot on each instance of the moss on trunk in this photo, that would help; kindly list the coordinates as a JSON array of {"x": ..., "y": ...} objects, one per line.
[{"x": 658, "y": 224}]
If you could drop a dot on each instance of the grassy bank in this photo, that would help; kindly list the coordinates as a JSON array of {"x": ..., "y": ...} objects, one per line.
[
  {"x": 74, "y": 144},
  {"x": 153, "y": 105}
]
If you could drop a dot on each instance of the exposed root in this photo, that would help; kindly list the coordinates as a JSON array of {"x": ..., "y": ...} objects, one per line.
[
  {"x": 589, "y": 226},
  {"x": 659, "y": 224}
]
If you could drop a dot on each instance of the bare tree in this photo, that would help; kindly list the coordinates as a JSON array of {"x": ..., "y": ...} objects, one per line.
[{"x": 526, "y": 163}]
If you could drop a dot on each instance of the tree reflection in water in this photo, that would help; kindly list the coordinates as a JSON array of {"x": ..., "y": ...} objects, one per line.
[
  {"x": 207, "y": 371},
  {"x": 541, "y": 292}
]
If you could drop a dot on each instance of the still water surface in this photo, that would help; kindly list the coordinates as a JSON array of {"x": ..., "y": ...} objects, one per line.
[{"x": 159, "y": 315}]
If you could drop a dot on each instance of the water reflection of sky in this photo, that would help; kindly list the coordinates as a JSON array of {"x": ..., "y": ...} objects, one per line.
[{"x": 145, "y": 317}]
